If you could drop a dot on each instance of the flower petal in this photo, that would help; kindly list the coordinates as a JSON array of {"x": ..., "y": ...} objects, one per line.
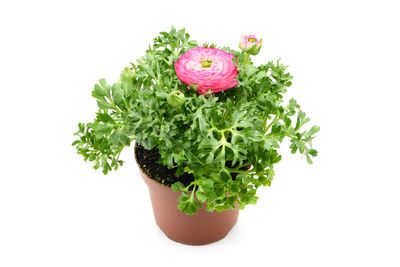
[{"x": 218, "y": 76}]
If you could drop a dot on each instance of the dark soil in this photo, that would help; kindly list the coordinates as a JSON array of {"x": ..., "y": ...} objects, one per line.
[{"x": 148, "y": 161}]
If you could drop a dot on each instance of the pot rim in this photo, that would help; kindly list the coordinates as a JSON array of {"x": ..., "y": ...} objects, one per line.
[{"x": 141, "y": 169}]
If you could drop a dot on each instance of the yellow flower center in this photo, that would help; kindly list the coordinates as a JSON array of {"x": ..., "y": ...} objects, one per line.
[
  {"x": 206, "y": 64},
  {"x": 252, "y": 40}
]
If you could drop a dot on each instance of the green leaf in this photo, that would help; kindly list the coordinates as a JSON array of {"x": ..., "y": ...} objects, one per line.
[
  {"x": 76, "y": 142},
  {"x": 301, "y": 120},
  {"x": 198, "y": 116},
  {"x": 117, "y": 94},
  {"x": 188, "y": 204},
  {"x": 252, "y": 200},
  {"x": 313, "y": 130},
  {"x": 99, "y": 91},
  {"x": 104, "y": 105},
  {"x": 118, "y": 137},
  {"x": 102, "y": 129},
  {"x": 309, "y": 160},
  {"x": 313, "y": 152},
  {"x": 178, "y": 186},
  {"x": 225, "y": 176},
  {"x": 104, "y": 117},
  {"x": 201, "y": 196},
  {"x": 207, "y": 184}
]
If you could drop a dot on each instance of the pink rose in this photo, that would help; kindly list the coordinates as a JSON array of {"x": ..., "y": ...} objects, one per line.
[{"x": 208, "y": 68}]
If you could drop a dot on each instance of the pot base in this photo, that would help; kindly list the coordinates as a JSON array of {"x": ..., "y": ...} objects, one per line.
[{"x": 201, "y": 228}]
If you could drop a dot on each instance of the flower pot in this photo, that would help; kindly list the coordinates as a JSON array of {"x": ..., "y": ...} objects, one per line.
[{"x": 199, "y": 229}]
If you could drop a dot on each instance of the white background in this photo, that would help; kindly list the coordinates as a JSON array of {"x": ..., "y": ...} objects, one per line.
[{"x": 344, "y": 210}]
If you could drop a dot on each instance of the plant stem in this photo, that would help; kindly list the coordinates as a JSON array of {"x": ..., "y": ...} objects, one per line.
[
  {"x": 277, "y": 117},
  {"x": 246, "y": 58},
  {"x": 194, "y": 189},
  {"x": 237, "y": 170},
  {"x": 240, "y": 171}
]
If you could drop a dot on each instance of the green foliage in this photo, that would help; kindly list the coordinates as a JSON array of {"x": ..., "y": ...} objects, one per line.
[{"x": 216, "y": 138}]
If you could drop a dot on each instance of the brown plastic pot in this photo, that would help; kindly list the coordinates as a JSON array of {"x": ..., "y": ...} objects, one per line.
[{"x": 199, "y": 229}]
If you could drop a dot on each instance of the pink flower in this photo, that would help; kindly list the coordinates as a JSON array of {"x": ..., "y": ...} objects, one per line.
[
  {"x": 209, "y": 68},
  {"x": 250, "y": 44}
]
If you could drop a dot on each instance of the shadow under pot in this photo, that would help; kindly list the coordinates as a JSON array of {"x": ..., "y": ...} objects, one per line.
[{"x": 201, "y": 228}]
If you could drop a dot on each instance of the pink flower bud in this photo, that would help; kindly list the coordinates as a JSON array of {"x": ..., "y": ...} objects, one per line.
[{"x": 250, "y": 44}]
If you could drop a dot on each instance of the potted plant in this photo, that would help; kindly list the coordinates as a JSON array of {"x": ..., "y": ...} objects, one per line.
[{"x": 207, "y": 124}]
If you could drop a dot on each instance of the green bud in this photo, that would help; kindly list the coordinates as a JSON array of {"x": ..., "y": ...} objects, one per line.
[
  {"x": 176, "y": 99},
  {"x": 127, "y": 74}
]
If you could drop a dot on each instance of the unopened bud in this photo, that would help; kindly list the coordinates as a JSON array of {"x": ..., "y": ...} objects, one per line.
[
  {"x": 250, "y": 44},
  {"x": 176, "y": 99},
  {"x": 127, "y": 74}
]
